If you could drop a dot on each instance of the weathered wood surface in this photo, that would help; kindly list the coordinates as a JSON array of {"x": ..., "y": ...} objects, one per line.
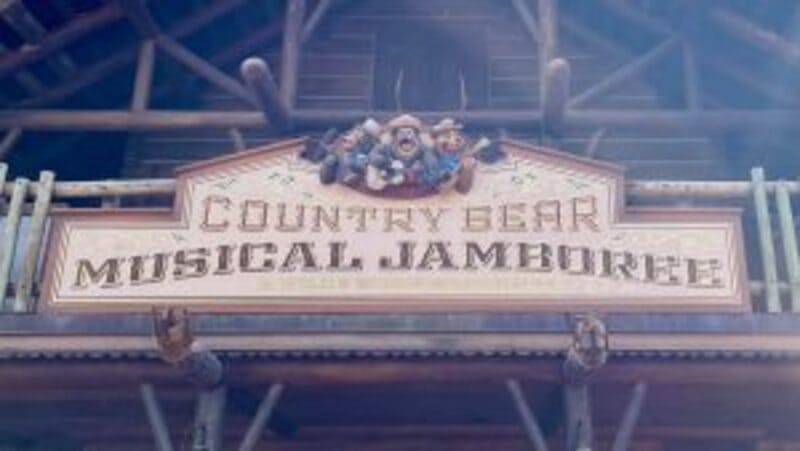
[
  {"x": 707, "y": 325},
  {"x": 105, "y": 120}
]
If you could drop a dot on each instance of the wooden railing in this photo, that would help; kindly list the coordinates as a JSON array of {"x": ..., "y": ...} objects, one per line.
[{"x": 19, "y": 297}]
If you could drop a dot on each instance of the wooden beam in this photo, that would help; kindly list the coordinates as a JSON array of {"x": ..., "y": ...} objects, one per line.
[
  {"x": 259, "y": 79},
  {"x": 527, "y": 417},
  {"x": 634, "y": 188},
  {"x": 548, "y": 34},
  {"x": 555, "y": 94},
  {"x": 624, "y": 10},
  {"x": 756, "y": 35},
  {"x": 791, "y": 252},
  {"x": 528, "y": 20},
  {"x": 119, "y": 60},
  {"x": 8, "y": 142},
  {"x": 128, "y": 120},
  {"x": 23, "y": 297},
  {"x": 139, "y": 15},
  {"x": 155, "y": 417},
  {"x": 670, "y": 120},
  {"x": 8, "y": 247},
  {"x": 592, "y": 37},
  {"x": 625, "y": 73},
  {"x": 691, "y": 77},
  {"x": 108, "y": 374},
  {"x": 624, "y": 434},
  {"x": 237, "y": 137},
  {"x": 579, "y": 432},
  {"x": 58, "y": 39},
  {"x": 290, "y": 53},
  {"x": 314, "y": 20},
  {"x": 594, "y": 142},
  {"x": 204, "y": 69},
  {"x": 143, "y": 82},
  {"x": 261, "y": 418},
  {"x": 17, "y": 16},
  {"x": 769, "y": 262},
  {"x": 207, "y": 433}
]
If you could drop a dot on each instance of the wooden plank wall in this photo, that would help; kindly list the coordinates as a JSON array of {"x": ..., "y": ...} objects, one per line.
[{"x": 338, "y": 66}]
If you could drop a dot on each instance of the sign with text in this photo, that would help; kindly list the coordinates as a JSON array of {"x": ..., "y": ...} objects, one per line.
[{"x": 258, "y": 231}]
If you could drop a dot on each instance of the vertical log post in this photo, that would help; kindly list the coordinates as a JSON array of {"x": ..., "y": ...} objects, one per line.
[
  {"x": 555, "y": 95},
  {"x": 261, "y": 418},
  {"x": 144, "y": 76},
  {"x": 789, "y": 235},
  {"x": 155, "y": 417},
  {"x": 36, "y": 228},
  {"x": 528, "y": 419},
  {"x": 8, "y": 247},
  {"x": 261, "y": 84},
  {"x": 290, "y": 56},
  {"x": 548, "y": 34},
  {"x": 691, "y": 77},
  {"x": 767, "y": 245},
  {"x": 207, "y": 434},
  {"x": 588, "y": 353}
]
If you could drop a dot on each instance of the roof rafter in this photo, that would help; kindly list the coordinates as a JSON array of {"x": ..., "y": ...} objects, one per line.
[
  {"x": 757, "y": 36},
  {"x": 17, "y": 16},
  {"x": 123, "y": 58},
  {"x": 58, "y": 39}
]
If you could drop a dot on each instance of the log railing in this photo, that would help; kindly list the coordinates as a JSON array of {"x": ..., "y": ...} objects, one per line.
[{"x": 22, "y": 198}]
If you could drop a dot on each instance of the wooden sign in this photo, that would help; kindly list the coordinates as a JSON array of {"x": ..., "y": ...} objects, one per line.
[{"x": 258, "y": 231}]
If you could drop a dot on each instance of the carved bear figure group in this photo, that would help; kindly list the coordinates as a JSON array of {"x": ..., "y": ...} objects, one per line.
[{"x": 403, "y": 157}]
